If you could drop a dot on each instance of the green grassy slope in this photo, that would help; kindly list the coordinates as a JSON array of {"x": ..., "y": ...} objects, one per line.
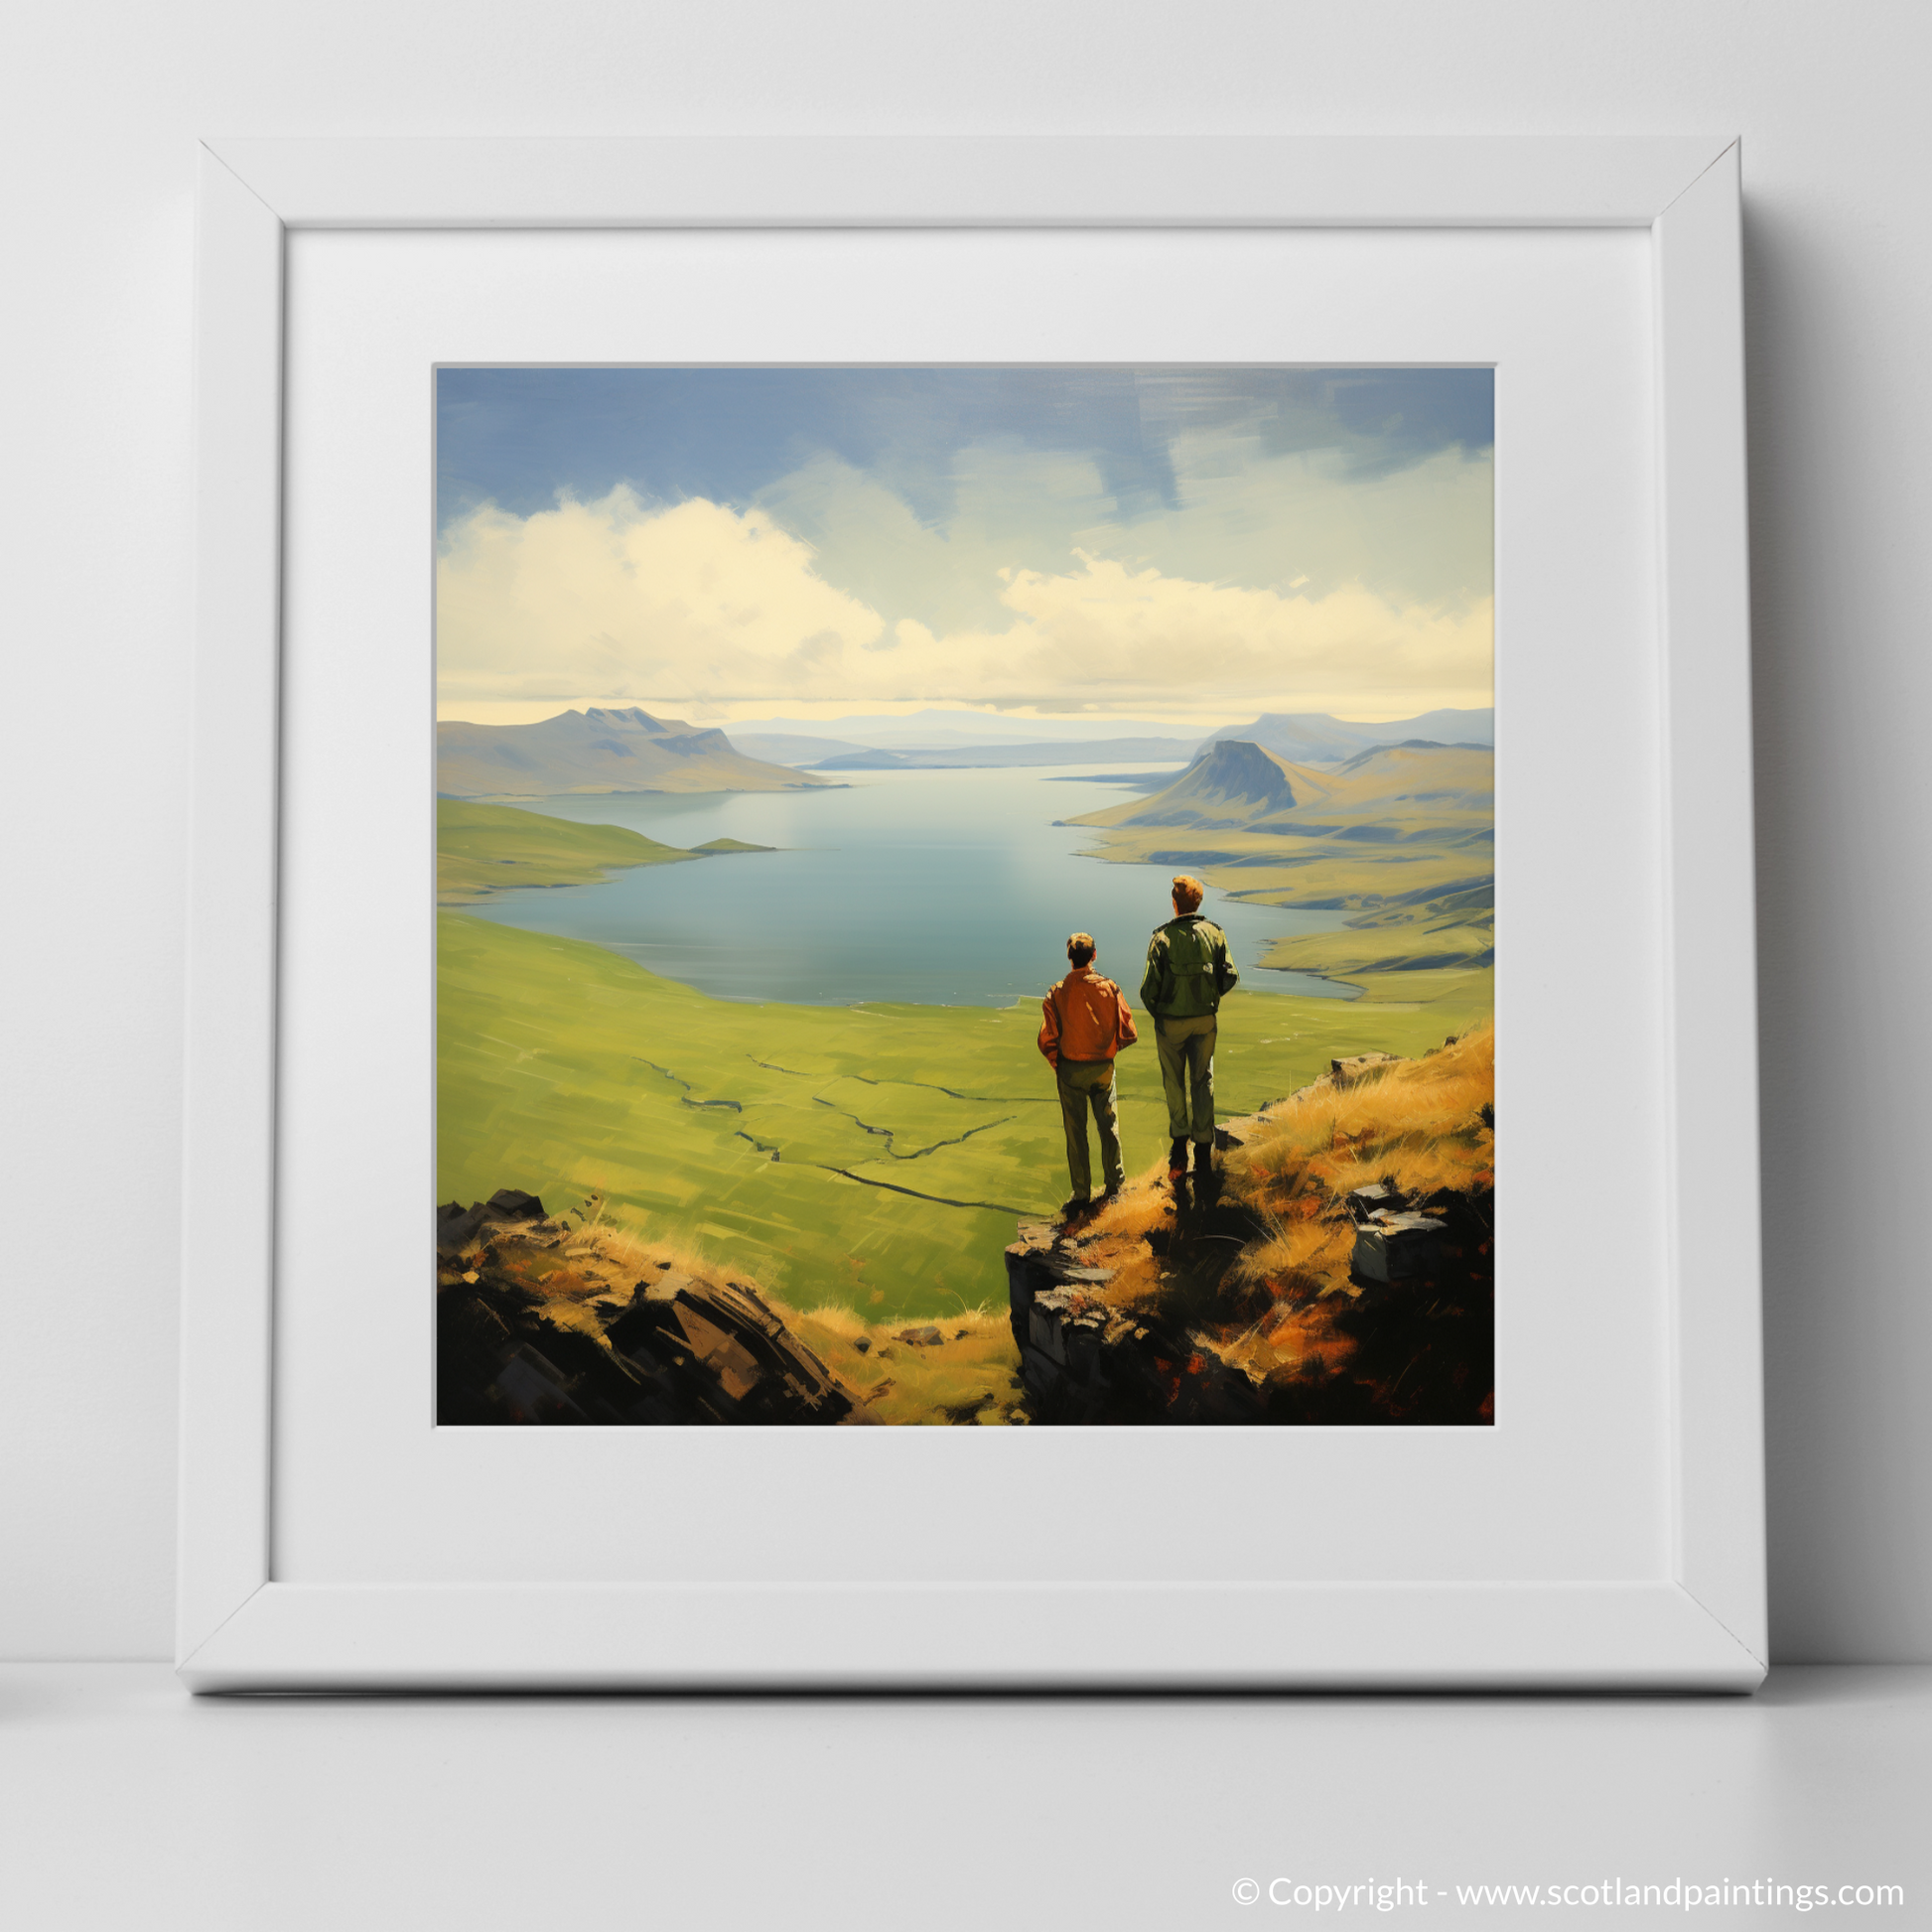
[
  {"x": 484, "y": 849},
  {"x": 874, "y": 1157}
]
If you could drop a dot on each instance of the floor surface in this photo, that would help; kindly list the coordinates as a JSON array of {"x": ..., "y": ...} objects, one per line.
[{"x": 126, "y": 1803}]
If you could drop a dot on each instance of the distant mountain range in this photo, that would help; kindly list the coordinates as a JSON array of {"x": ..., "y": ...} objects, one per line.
[
  {"x": 1314, "y": 738},
  {"x": 938, "y": 727},
  {"x": 1096, "y": 751},
  {"x": 862, "y": 744},
  {"x": 786, "y": 748},
  {"x": 599, "y": 749},
  {"x": 628, "y": 749}
]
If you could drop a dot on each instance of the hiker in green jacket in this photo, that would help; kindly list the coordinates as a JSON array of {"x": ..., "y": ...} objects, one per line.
[{"x": 1187, "y": 973}]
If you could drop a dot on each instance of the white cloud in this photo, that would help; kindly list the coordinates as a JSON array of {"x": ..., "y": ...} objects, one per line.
[
  {"x": 1106, "y": 636},
  {"x": 706, "y": 608},
  {"x": 625, "y": 601}
]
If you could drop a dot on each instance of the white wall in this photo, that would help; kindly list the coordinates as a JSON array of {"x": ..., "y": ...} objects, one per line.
[{"x": 100, "y": 105}]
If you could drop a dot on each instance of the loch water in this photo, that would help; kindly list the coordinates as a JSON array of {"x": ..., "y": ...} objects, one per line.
[{"x": 942, "y": 888}]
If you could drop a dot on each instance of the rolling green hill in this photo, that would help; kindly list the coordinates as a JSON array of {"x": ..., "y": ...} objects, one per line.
[{"x": 482, "y": 849}]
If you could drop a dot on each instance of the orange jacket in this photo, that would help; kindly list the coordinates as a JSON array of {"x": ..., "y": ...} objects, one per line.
[{"x": 1087, "y": 1019}]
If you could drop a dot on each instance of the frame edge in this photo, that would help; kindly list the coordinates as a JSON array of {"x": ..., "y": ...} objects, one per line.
[
  {"x": 971, "y": 181},
  {"x": 227, "y": 1162},
  {"x": 1030, "y": 1637},
  {"x": 1711, "y": 906}
]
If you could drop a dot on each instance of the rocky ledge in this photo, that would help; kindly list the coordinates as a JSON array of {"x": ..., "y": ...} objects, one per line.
[
  {"x": 543, "y": 1319},
  {"x": 1085, "y": 1359},
  {"x": 1185, "y": 1305}
]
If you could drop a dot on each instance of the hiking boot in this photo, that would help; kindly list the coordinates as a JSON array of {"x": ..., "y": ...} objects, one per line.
[
  {"x": 1072, "y": 1211},
  {"x": 1176, "y": 1160},
  {"x": 1204, "y": 1157}
]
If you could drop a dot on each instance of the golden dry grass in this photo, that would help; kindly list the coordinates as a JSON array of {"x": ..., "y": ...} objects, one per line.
[
  {"x": 1417, "y": 1122},
  {"x": 1424, "y": 1125},
  {"x": 970, "y": 1375}
]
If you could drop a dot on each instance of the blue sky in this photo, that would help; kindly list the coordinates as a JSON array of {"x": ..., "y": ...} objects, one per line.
[
  {"x": 1051, "y": 542},
  {"x": 518, "y": 438}
]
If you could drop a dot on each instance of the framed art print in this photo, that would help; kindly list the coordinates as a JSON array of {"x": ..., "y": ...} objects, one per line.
[
  {"x": 1002, "y": 913},
  {"x": 841, "y": 1122}
]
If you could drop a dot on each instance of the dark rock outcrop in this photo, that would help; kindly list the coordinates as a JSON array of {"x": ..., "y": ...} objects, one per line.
[
  {"x": 1084, "y": 1361},
  {"x": 1405, "y": 1337},
  {"x": 669, "y": 1349},
  {"x": 457, "y": 1227}
]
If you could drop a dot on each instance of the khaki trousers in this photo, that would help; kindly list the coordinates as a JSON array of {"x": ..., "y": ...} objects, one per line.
[
  {"x": 1186, "y": 1048},
  {"x": 1084, "y": 1084}
]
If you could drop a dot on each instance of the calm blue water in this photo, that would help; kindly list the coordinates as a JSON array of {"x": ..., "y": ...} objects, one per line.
[{"x": 935, "y": 887}]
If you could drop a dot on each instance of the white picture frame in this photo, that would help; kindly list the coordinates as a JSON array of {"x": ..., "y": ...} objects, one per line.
[{"x": 1697, "y": 1622}]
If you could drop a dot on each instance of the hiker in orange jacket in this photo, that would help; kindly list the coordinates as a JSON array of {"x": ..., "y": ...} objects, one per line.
[{"x": 1087, "y": 1022}]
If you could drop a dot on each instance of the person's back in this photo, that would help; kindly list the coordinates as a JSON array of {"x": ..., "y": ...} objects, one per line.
[
  {"x": 1084, "y": 1022},
  {"x": 1187, "y": 968},
  {"x": 1088, "y": 1017},
  {"x": 1188, "y": 973}
]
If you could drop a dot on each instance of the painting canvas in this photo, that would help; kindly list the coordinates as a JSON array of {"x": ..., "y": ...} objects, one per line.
[{"x": 965, "y": 896}]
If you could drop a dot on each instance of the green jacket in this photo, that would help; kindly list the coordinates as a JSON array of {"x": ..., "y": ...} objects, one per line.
[{"x": 1188, "y": 968}]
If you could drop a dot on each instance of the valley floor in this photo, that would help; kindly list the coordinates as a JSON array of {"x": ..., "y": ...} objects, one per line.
[{"x": 870, "y": 1157}]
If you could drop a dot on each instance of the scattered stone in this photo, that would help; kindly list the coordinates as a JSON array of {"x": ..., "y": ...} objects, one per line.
[
  {"x": 924, "y": 1337},
  {"x": 1357, "y": 1068},
  {"x": 513, "y": 1204},
  {"x": 1381, "y": 1196},
  {"x": 661, "y": 1288},
  {"x": 1397, "y": 1246},
  {"x": 863, "y": 1345}
]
